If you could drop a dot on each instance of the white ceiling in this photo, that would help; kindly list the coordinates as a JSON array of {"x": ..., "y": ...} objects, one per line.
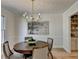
[{"x": 40, "y": 6}]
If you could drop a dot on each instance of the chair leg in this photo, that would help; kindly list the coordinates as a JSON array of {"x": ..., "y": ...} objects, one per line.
[{"x": 49, "y": 53}]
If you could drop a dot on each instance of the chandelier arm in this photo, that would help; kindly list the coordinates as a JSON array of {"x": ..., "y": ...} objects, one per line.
[{"x": 32, "y": 8}]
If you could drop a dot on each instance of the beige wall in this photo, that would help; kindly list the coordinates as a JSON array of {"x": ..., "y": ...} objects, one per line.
[{"x": 10, "y": 26}]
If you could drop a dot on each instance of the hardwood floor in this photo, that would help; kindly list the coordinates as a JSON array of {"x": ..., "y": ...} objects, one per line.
[{"x": 61, "y": 54}]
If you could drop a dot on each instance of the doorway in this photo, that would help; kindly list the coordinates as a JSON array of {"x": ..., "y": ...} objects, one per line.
[{"x": 74, "y": 32}]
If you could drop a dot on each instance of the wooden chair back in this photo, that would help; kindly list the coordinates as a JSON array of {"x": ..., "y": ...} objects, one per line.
[
  {"x": 50, "y": 43},
  {"x": 6, "y": 49}
]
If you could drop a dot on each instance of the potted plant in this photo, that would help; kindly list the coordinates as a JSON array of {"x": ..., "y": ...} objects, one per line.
[{"x": 31, "y": 41}]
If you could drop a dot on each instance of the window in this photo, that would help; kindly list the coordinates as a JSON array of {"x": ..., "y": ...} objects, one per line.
[{"x": 2, "y": 28}]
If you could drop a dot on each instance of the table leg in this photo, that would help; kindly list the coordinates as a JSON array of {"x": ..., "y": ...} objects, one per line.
[{"x": 27, "y": 55}]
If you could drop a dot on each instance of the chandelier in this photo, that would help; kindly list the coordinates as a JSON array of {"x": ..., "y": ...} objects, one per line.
[{"x": 31, "y": 17}]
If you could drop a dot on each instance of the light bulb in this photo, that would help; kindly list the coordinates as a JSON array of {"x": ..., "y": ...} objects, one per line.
[
  {"x": 27, "y": 17},
  {"x": 31, "y": 17},
  {"x": 24, "y": 15},
  {"x": 39, "y": 14}
]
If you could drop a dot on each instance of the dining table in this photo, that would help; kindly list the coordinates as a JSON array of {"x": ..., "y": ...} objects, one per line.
[{"x": 26, "y": 49}]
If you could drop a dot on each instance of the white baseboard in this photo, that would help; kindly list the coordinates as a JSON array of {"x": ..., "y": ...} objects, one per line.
[{"x": 57, "y": 46}]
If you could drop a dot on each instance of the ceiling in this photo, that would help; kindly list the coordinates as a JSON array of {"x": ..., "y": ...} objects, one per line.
[{"x": 40, "y": 6}]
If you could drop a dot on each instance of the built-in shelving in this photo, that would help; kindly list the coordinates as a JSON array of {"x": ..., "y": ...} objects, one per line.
[{"x": 74, "y": 32}]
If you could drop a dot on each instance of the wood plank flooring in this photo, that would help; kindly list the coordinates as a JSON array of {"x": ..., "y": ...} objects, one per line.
[{"x": 62, "y": 54}]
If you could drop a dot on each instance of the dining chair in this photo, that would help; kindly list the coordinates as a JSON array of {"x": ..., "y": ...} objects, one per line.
[
  {"x": 8, "y": 53},
  {"x": 40, "y": 53},
  {"x": 50, "y": 44}
]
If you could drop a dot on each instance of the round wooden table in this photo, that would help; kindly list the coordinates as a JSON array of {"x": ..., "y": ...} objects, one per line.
[{"x": 25, "y": 48}]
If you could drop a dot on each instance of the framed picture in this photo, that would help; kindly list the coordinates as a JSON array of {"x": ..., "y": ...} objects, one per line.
[{"x": 39, "y": 28}]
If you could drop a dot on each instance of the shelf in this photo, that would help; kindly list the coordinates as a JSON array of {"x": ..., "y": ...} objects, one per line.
[
  {"x": 74, "y": 32},
  {"x": 74, "y": 23}
]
